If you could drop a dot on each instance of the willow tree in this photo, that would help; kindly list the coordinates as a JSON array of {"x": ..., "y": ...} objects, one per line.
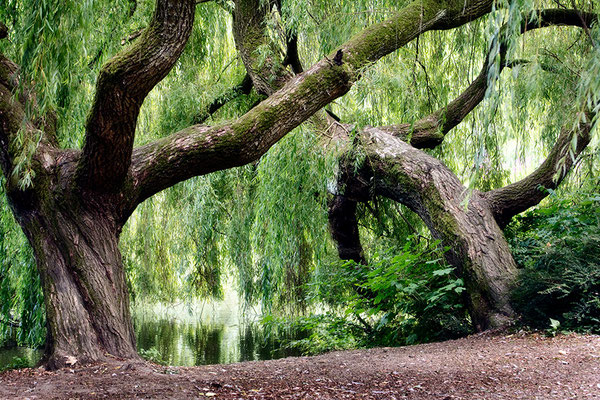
[{"x": 73, "y": 203}]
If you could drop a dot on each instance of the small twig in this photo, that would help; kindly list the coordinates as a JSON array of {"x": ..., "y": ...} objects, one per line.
[
  {"x": 584, "y": 25},
  {"x": 368, "y": 327},
  {"x": 226, "y": 68}
]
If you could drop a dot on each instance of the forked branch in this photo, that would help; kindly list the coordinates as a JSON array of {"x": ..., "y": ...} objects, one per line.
[
  {"x": 199, "y": 150},
  {"x": 122, "y": 86}
]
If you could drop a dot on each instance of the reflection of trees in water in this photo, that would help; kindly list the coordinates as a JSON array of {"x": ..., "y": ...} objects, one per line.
[
  {"x": 171, "y": 337},
  {"x": 205, "y": 342},
  {"x": 208, "y": 344},
  {"x": 258, "y": 344}
]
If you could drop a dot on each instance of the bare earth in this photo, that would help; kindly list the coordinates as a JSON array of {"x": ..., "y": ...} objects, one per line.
[{"x": 484, "y": 366}]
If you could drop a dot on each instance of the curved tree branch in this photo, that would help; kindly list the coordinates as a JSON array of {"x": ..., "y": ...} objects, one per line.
[
  {"x": 199, "y": 150},
  {"x": 515, "y": 198},
  {"x": 122, "y": 85},
  {"x": 430, "y": 131}
]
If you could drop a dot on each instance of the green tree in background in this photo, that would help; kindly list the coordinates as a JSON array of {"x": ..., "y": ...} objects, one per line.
[{"x": 74, "y": 172}]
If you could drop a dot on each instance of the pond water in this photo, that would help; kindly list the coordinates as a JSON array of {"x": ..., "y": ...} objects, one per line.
[
  {"x": 180, "y": 337},
  {"x": 19, "y": 356},
  {"x": 191, "y": 334}
]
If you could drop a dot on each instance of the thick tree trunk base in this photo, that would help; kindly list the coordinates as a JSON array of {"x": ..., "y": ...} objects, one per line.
[{"x": 85, "y": 291}]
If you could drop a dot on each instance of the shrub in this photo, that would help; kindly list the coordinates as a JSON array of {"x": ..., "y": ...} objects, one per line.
[
  {"x": 407, "y": 297},
  {"x": 558, "y": 249}
]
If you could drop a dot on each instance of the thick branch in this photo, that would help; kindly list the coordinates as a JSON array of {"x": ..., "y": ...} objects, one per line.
[
  {"x": 292, "y": 58},
  {"x": 515, "y": 198},
  {"x": 122, "y": 86},
  {"x": 199, "y": 150},
  {"x": 12, "y": 117},
  {"x": 395, "y": 169},
  {"x": 430, "y": 131},
  {"x": 249, "y": 24},
  {"x": 344, "y": 229}
]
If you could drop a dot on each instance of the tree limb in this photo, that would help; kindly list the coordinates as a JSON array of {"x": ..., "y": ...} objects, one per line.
[
  {"x": 268, "y": 73},
  {"x": 199, "y": 150},
  {"x": 517, "y": 197},
  {"x": 292, "y": 58},
  {"x": 122, "y": 85},
  {"x": 430, "y": 131},
  {"x": 13, "y": 119}
]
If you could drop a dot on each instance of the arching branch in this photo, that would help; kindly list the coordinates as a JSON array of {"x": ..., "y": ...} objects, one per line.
[
  {"x": 515, "y": 198},
  {"x": 122, "y": 85},
  {"x": 199, "y": 150},
  {"x": 430, "y": 131}
]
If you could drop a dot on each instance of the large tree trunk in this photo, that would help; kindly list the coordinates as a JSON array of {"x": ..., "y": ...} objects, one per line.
[
  {"x": 87, "y": 304},
  {"x": 478, "y": 249}
]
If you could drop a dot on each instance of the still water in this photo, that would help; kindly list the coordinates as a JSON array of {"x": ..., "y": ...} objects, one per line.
[
  {"x": 177, "y": 336},
  {"x": 191, "y": 334}
]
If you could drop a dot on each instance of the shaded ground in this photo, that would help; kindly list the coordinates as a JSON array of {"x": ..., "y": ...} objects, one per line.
[{"x": 478, "y": 367}]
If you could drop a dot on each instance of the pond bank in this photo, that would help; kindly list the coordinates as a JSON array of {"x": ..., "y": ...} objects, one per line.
[{"x": 487, "y": 366}]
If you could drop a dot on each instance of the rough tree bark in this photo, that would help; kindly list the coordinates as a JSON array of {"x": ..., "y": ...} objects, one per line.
[{"x": 78, "y": 201}]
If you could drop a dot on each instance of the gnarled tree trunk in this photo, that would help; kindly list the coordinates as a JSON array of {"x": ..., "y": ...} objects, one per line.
[
  {"x": 478, "y": 250},
  {"x": 469, "y": 223},
  {"x": 75, "y": 241},
  {"x": 78, "y": 201}
]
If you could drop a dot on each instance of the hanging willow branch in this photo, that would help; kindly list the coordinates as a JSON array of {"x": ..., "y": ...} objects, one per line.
[{"x": 10, "y": 323}]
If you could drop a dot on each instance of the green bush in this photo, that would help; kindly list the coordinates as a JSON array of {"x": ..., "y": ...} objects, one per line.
[
  {"x": 558, "y": 249},
  {"x": 408, "y": 297}
]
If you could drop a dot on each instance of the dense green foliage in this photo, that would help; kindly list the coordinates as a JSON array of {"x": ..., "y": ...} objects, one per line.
[
  {"x": 402, "y": 297},
  {"x": 265, "y": 225},
  {"x": 558, "y": 248}
]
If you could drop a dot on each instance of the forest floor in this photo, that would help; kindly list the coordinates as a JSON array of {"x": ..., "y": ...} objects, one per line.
[{"x": 485, "y": 366}]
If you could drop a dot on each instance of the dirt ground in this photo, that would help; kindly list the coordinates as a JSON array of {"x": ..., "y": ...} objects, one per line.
[{"x": 487, "y": 366}]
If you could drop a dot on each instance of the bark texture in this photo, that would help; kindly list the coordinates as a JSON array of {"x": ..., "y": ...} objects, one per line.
[
  {"x": 399, "y": 171},
  {"x": 122, "y": 86},
  {"x": 478, "y": 250},
  {"x": 74, "y": 236}
]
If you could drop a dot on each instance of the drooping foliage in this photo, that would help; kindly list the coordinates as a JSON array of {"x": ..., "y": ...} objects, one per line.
[{"x": 265, "y": 225}]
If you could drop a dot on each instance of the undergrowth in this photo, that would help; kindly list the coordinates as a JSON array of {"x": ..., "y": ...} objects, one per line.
[{"x": 557, "y": 248}]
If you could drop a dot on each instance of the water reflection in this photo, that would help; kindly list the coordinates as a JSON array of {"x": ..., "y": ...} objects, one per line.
[
  {"x": 180, "y": 343},
  {"x": 19, "y": 357},
  {"x": 214, "y": 333}
]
